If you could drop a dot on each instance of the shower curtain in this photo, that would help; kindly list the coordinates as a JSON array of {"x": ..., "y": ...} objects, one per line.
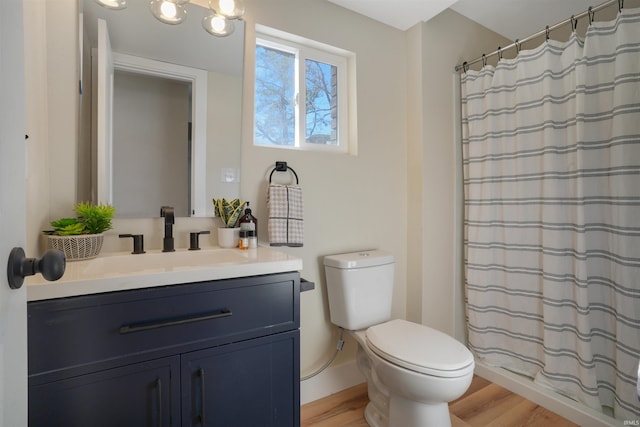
[{"x": 551, "y": 163}]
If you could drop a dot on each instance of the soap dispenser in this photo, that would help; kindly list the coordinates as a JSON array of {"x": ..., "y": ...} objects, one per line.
[{"x": 248, "y": 222}]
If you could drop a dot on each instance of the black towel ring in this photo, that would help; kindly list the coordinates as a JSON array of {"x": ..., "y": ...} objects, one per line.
[{"x": 282, "y": 167}]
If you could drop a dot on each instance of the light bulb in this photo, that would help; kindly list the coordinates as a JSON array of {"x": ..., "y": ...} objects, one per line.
[
  {"x": 230, "y": 9},
  {"x": 168, "y": 9},
  {"x": 227, "y": 6},
  {"x": 217, "y": 25}
]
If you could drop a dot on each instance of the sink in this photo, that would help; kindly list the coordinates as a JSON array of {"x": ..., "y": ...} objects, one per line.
[{"x": 161, "y": 261}]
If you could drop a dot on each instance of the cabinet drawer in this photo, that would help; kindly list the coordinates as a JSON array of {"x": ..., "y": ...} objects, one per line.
[{"x": 100, "y": 329}]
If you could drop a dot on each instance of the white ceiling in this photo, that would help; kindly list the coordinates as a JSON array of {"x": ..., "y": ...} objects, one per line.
[{"x": 513, "y": 19}]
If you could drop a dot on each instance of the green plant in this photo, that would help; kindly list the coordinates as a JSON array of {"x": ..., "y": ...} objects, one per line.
[
  {"x": 91, "y": 219},
  {"x": 228, "y": 210}
]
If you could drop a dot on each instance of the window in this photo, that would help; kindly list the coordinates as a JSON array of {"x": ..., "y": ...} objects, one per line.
[{"x": 301, "y": 95}]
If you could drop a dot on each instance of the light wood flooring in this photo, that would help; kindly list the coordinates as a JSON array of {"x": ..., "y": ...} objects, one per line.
[{"x": 484, "y": 405}]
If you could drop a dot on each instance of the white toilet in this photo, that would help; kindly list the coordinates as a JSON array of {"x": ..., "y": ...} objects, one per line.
[{"x": 412, "y": 371}]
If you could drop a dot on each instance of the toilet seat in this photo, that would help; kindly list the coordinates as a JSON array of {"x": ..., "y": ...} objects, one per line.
[{"x": 420, "y": 349}]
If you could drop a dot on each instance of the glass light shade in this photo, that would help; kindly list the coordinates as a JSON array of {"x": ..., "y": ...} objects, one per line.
[
  {"x": 112, "y": 4},
  {"x": 231, "y": 9},
  {"x": 168, "y": 11},
  {"x": 217, "y": 25}
]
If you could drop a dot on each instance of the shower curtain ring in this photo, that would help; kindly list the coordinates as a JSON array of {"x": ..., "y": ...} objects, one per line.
[
  {"x": 465, "y": 66},
  {"x": 484, "y": 60},
  {"x": 592, "y": 15},
  {"x": 620, "y": 5},
  {"x": 574, "y": 24},
  {"x": 499, "y": 53},
  {"x": 517, "y": 43},
  {"x": 547, "y": 33}
]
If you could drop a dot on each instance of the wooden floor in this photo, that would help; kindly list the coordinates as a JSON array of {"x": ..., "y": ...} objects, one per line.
[{"x": 484, "y": 405}]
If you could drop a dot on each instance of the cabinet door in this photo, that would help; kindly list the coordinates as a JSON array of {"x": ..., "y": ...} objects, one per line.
[
  {"x": 142, "y": 394},
  {"x": 252, "y": 383}
]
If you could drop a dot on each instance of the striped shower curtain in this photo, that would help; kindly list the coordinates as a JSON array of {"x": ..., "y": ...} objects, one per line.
[{"x": 551, "y": 161}]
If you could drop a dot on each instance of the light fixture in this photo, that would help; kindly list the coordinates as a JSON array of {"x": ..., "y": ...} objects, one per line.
[
  {"x": 112, "y": 4},
  {"x": 169, "y": 11},
  {"x": 219, "y": 22},
  {"x": 217, "y": 25}
]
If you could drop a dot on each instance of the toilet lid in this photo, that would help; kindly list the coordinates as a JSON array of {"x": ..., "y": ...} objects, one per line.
[{"x": 420, "y": 348}]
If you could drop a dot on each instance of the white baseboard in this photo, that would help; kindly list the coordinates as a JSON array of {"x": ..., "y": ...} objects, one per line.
[{"x": 330, "y": 381}]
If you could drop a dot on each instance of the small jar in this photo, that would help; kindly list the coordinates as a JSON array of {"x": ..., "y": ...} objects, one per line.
[
  {"x": 243, "y": 243},
  {"x": 253, "y": 240}
]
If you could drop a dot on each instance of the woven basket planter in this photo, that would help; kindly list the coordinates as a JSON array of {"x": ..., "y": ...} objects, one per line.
[{"x": 77, "y": 248}]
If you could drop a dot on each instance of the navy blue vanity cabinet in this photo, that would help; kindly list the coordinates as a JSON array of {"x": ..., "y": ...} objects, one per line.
[{"x": 218, "y": 353}]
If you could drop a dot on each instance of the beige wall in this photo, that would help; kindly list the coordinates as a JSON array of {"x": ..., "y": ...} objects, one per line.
[
  {"x": 395, "y": 194},
  {"x": 446, "y": 40},
  {"x": 350, "y": 202}
]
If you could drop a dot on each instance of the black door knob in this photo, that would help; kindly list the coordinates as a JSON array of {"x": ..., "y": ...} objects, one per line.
[{"x": 51, "y": 266}]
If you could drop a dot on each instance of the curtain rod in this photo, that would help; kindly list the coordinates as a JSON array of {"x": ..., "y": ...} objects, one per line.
[{"x": 573, "y": 20}]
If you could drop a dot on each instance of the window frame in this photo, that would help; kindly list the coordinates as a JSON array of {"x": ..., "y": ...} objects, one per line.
[{"x": 303, "y": 50}]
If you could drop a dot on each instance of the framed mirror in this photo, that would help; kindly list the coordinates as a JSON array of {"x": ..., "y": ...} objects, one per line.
[{"x": 161, "y": 107}]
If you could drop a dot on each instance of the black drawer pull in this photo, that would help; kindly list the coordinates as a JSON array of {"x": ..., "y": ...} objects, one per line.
[{"x": 139, "y": 327}]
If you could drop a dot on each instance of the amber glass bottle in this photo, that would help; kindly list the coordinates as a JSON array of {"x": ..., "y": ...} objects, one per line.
[{"x": 247, "y": 221}]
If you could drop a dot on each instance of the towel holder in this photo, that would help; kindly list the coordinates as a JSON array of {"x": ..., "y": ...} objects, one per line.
[{"x": 283, "y": 167}]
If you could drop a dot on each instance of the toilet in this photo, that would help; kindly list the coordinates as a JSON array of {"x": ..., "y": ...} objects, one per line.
[{"x": 412, "y": 371}]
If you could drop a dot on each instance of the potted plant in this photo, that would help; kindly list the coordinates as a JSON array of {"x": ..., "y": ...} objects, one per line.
[
  {"x": 81, "y": 237},
  {"x": 228, "y": 211}
]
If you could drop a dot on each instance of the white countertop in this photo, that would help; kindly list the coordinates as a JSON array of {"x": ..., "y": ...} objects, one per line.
[{"x": 121, "y": 271}]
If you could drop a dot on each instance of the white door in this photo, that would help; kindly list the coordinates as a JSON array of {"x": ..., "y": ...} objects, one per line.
[
  {"x": 13, "y": 306},
  {"x": 104, "y": 115}
]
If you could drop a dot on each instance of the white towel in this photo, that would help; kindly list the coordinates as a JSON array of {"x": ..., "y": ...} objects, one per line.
[{"x": 286, "y": 225}]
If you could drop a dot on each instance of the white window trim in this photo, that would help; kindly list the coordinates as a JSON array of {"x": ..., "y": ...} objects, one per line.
[{"x": 344, "y": 61}]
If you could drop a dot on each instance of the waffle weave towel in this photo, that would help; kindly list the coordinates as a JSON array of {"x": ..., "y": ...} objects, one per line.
[{"x": 286, "y": 225}]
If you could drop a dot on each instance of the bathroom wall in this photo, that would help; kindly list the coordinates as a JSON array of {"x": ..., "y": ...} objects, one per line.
[
  {"x": 445, "y": 41},
  {"x": 351, "y": 202},
  {"x": 396, "y": 194}
]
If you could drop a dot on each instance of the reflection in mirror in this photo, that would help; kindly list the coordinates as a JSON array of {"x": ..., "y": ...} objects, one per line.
[{"x": 171, "y": 83}]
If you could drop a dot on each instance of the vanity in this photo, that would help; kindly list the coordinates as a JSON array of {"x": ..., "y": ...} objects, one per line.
[{"x": 206, "y": 338}]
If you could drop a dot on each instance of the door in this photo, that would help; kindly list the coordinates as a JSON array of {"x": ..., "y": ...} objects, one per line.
[
  {"x": 13, "y": 307},
  {"x": 141, "y": 394},
  {"x": 249, "y": 383},
  {"x": 104, "y": 115}
]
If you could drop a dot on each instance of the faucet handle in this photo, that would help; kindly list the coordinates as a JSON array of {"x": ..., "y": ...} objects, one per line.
[
  {"x": 194, "y": 244},
  {"x": 138, "y": 242}
]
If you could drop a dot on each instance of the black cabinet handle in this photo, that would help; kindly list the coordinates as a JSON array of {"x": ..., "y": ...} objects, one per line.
[
  {"x": 159, "y": 395},
  {"x": 202, "y": 399},
  {"x": 139, "y": 327}
]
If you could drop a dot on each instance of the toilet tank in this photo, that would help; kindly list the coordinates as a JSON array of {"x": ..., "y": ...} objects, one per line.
[{"x": 360, "y": 288}]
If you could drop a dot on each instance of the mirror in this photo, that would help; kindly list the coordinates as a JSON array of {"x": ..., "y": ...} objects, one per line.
[{"x": 169, "y": 82}]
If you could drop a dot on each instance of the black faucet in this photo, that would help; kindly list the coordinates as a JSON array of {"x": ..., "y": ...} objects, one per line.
[{"x": 169, "y": 219}]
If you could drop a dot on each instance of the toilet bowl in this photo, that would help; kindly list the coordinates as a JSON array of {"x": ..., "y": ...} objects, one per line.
[
  {"x": 412, "y": 371},
  {"x": 422, "y": 368}
]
